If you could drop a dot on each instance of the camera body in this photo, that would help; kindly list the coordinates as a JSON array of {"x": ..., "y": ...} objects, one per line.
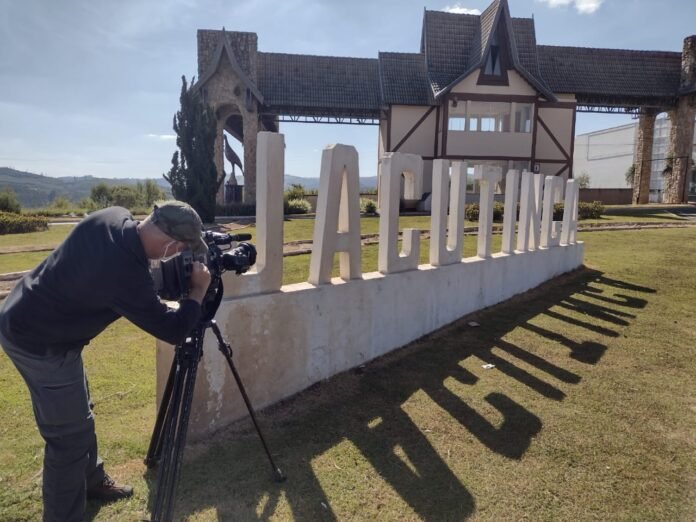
[{"x": 173, "y": 276}]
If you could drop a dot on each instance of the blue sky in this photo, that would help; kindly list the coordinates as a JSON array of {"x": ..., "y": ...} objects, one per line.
[{"x": 89, "y": 87}]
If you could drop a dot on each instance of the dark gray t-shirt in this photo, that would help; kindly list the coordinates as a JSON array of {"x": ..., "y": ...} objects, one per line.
[{"x": 98, "y": 274}]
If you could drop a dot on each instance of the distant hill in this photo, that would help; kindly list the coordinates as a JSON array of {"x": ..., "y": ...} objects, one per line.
[
  {"x": 37, "y": 190},
  {"x": 313, "y": 183}
]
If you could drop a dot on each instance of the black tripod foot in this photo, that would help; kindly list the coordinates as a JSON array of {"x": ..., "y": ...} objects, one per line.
[{"x": 279, "y": 477}]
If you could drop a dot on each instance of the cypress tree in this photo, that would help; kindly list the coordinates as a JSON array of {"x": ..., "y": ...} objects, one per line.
[{"x": 193, "y": 176}]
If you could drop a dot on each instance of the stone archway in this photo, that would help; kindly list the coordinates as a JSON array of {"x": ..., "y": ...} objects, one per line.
[
  {"x": 242, "y": 125},
  {"x": 228, "y": 85}
]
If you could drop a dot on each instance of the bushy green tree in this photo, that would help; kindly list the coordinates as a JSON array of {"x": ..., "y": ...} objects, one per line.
[
  {"x": 124, "y": 196},
  {"x": 87, "y": 204},
  {"x": 150, "y": 192},
  {"x": 295, "y": 191},
  {"x": 101, "y": 195},
  {"x": 60, "y": 202},
  {"x": 9, "y": 201},
  {"x": 583, "y": 180},
  {"x": 193, "y": 175},
  {"x": 630, "y": 174}
]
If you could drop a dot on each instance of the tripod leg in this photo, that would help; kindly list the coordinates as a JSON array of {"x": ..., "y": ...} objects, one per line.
[
  {"x": 175, "y": 426},
  {"x": 226, "y": 350},
  {"x": 182, "y": 428},
  {"x": 154, "y": 452},
  {"x": 164, "y": 475}
]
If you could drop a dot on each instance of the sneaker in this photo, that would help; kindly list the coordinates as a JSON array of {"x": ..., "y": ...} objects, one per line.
[{"x": 109, "y": 490}]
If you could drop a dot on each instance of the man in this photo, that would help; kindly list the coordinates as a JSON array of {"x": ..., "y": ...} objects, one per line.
[{"x": 98, "y": 274}]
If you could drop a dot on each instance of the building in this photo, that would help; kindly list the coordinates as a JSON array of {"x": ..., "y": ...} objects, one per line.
[
  {"x": 480, "y": 90},
  {"x": 605, "y": 156}
]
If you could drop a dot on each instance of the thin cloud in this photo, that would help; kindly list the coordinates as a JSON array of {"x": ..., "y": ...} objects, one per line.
[
  {"x": 162, "y": 137},
  {"x": 458, "y": 9},
  {"x": 587, "y": 6},
  {"x": 581, "y": 6}
]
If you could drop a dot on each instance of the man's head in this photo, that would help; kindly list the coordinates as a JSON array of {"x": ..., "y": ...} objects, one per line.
[{"x": 172, "y": 227}]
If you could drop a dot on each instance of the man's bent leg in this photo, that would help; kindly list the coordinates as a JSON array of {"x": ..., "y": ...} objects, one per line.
[
  {"x": 61, "y": 407},
  {"x": 66, "y": 459}
]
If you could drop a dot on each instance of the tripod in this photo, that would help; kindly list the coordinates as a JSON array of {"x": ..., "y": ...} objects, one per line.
[{"x": 169, "y": 434}]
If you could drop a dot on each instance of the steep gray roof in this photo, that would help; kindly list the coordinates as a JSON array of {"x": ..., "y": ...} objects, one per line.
[
  {"x": 298, "y": 83},
  {"x": 613, "y": 73},
  {"x": 404, "y": 79},
  {"x": 487, "y": 25},
  {"x": 447, "y": 43},
  {"x": 452, "y": 46},
  {"x": 525, "y": 40},
  {"x": 456, "y": 45}
]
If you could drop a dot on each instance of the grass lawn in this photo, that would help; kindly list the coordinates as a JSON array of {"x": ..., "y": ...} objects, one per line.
[
  {"x": 294, "y": 229},
  {"x": 589, "y": 413}
]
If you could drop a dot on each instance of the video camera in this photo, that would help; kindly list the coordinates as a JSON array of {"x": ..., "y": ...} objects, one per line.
[{"x": 173, "y": 276}]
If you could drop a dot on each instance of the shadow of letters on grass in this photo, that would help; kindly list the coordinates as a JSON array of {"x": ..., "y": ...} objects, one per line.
[{"x": 371, "y": 410}]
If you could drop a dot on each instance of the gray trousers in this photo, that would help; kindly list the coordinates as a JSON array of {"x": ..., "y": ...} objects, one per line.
[{"x": 60, "y": 397}]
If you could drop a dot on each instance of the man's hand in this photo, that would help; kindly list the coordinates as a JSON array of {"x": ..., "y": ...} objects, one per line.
[{"x": 200, "y": 280}]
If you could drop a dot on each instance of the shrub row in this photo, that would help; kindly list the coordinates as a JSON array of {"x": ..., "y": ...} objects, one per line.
[
  {"x": 586, "y": 210},
  {"x": 297, "y": 206},
  {"x": 471, "y": 212},
  {"x": 17, "y": 224},
  {"x": 50, "y": 212},
  {"x": 368, "y": 206},
  {"x": 290, "y": 206},
  {"x": 592, "y": 210},
  {"x": 236, "y": 209}
]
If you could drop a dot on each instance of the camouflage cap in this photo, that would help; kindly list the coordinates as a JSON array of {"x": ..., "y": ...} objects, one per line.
[{"x": 179, "y": 221}]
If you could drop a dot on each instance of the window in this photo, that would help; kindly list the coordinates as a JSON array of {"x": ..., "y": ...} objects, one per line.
[
  {"x": 492, "y": 67},
  {"x": 457, "y": 123},
  {"x": 489, "y": 116},
  {"x": 523, "y": 117},
  {"x": 457, "y": 116},
  {"x": 488, "y": 124}
]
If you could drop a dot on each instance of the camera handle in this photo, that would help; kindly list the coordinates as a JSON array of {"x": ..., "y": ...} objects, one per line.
[{"x": 169, "y": 434}]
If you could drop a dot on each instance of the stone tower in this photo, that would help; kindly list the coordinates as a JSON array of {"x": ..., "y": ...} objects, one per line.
[{"x": 227, "y": 79}]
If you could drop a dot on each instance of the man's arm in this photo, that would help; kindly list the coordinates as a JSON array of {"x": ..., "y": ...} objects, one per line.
[
  {"x": 200, "y": 281},
  {"x": 137, "y": 301}
]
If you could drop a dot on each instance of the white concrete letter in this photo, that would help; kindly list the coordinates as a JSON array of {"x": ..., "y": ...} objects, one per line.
[
  {"x": 487, "y": 177},
  {"x": 337, "y": 226},
  {"x": 392, "y": 166},
  {"x": 570, "y": 213},
  {"x": 267, "y": 273},
  {"x": 529, "y": 224},
  {"x": 512, "y": 190},
  {"x": 553, "y": 187},
  {"x": 446, "y": 248}
]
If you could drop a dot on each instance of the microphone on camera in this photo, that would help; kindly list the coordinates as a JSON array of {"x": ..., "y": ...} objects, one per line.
[{"x": 240, "y": 237}]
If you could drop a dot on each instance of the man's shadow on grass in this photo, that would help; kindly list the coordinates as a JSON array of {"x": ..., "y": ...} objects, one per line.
[{"x": 363, "y": 411}]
